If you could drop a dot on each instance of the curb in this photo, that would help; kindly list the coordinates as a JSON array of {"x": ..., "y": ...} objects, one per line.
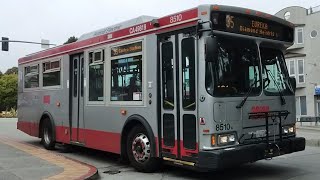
[
  {"x": 92, "y": 172},
  {"x": 308, "y": 128},
  {"x": 313, "y": 142}
]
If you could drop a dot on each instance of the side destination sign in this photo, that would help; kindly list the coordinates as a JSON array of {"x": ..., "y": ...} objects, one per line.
[
  {"x": 126, "y": 49},
  {"x": 252, "y": 26}
]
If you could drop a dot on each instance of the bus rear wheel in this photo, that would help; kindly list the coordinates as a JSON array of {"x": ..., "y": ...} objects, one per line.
[
  {"x": 47, "y": 138},
  {"x": 139, "y": 150}
]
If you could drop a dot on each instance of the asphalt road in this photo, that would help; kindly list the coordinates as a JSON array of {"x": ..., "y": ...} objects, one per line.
[{"x": 302, "y": 165}]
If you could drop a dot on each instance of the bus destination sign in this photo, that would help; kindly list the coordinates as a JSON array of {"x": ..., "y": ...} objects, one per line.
[
  {"x": 252, "y": 26},
  {"x": 126, "y": 49}
]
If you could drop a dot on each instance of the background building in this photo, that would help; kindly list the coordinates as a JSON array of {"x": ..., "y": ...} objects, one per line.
[{"x": 303, "y": 58}]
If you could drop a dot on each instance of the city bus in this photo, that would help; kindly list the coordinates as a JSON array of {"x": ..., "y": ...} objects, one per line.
[{"x": 206, "y": 88}]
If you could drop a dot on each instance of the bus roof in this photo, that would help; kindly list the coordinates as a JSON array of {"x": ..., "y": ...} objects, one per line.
[
  {"x": 118, "y": 26},
  {"x": 136, "y": 27}
]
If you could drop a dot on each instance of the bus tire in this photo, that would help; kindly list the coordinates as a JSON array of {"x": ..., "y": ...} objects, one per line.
[
  {"x": 139, "y": 150},
  {"x": 47, "y": 138}
]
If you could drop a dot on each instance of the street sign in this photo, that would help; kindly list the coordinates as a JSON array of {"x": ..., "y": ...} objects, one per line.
[
  {"x": 44, "y": 44},
  {"x": 317, "y": 90}
]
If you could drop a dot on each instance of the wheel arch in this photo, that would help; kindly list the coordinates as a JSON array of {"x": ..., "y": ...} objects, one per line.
[
  {"x": 131, "y": 122},
  {"x": 45, "y": 115}
]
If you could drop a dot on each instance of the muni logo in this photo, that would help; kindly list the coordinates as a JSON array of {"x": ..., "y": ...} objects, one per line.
[{"x": 256, "y": 109}]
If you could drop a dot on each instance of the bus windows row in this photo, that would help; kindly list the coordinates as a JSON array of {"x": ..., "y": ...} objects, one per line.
[{"x": 50, "y": 75}]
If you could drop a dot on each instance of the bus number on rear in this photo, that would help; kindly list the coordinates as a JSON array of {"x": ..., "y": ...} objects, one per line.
[{"x": 175, "y": 18}]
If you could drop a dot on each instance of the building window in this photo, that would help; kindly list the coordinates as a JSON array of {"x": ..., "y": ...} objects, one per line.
[
  {"x": 300, "y": 69},
  {"x": 287, "y": 15},
  {"x": 301, "y": 105},
  {"x": 299, "y": 35},
  {"x": 313, "y": 34},
  {"x": 51, "y": 73},
  {"x": 126, "y": 79},
  {"x": 291, "y": 67},
  {"x": 31, "y": 76},
  {"x": 296, "y": 70},
  {"x": 96, "y": 74}
]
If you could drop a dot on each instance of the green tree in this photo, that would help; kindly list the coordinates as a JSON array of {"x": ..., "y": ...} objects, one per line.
[
  {"x": 8, "y": 91},
  {"x": 71, "y": 40},
  {"x": 1, "y": 74},
  {"x": 13, "y": 70}
]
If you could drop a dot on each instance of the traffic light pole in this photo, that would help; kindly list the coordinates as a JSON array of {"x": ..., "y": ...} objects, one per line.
[{"x": 29, "y": 42}]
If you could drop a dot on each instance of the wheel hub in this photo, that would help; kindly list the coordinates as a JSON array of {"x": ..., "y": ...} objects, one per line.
[
  {"x": 46, "y": 135},
  {"x": 141, "y": 148}
]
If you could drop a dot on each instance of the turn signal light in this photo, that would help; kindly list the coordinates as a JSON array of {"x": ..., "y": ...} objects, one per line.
[{"x": 213, "y": 140}]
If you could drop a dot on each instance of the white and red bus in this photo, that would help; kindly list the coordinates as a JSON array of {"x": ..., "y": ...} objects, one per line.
[{"x": 205, "y": 88}]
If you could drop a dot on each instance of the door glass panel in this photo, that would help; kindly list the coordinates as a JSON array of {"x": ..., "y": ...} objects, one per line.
[
  {"x": 188, "y": 74},
  {"x": 75, "y": 77},
  {"x": 82, "y": 76},
  {"x": 189, "y": 131},
  {"x": 167, "y": 75},
  {"x": 168, "y": 130}
]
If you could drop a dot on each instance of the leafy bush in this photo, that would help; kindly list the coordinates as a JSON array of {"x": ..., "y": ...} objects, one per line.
[
  {"x": 12, "y": 113},
  {"x": 8, "y": 91}
]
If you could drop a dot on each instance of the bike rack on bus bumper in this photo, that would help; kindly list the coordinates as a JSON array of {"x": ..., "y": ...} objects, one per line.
[{"x": 273, "y": 115}]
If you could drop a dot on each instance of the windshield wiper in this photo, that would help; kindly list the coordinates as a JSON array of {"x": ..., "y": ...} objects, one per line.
[
  {"x": 283, "y": 101},
  {"x": 248, "y": 93}
]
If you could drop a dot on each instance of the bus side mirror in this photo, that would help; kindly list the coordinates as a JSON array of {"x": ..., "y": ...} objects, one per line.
[
  {"x": 211, "y": 49},
  {"x": 293, "y": 83}
]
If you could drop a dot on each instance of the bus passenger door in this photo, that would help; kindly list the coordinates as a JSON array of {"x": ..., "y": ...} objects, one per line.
[
  {"x": 76, "y": 98},
  {"x": 169, "y": 123},
  {"x": 187, "y": 96},
  {"x": 178, "y": 96}
]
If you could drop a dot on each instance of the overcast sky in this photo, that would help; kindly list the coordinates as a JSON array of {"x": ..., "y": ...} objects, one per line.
[{"x": 56, "y": 20}]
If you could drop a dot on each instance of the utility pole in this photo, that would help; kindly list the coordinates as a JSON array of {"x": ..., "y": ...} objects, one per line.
[{"x": 5, "y": 43}]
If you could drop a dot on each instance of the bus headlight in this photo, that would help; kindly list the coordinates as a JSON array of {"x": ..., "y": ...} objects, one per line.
[
  {"x": 226, "y": 138},
  {"x": 288, "y": 129}
]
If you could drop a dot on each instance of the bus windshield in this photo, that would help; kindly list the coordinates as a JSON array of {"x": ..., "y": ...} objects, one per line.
[
  {"x": 236, "y": 70},
  {"x": 275, "y": 75}
]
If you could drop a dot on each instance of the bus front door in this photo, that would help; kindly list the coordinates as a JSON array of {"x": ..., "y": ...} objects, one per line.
[
  {"x": 178, "y": 75},
  {"x": 76, "y": 98}
]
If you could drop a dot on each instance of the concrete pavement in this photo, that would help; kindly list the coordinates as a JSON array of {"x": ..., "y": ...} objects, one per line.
[
  {"x": 16, "y": 164},
  {"x": 301, "y": 165},
  {"x": 20, "y": 160},
  {"x": 309, "y": 131}
]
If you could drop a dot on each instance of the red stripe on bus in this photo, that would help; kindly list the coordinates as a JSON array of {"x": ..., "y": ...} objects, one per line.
[
  {"x": 30, "y": 128},
  {"x": 186, "y": 15},
  {"x": 188, "y": 152},
  {"x": 101, "y": 140}
]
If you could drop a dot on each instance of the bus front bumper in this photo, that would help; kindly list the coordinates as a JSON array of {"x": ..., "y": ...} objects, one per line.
[{"x": 222, "y": 158}]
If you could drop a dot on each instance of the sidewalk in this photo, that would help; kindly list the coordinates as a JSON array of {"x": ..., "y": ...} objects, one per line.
[
  {"x": 309, "y": 131},
  {"x": 19, "y": 161}
]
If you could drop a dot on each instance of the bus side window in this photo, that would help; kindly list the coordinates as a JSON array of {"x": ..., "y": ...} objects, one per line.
[
  {"x": 96, "y": 74},
  {"x": 31, "y": 76},
  {"x": 126, "y": 79}
]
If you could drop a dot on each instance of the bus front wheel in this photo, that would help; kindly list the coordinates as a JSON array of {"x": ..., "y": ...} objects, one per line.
[
  {"x": 139, "y": 150},
  {"x": 47, "y": 138}
]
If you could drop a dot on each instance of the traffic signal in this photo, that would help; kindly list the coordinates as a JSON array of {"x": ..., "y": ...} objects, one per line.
[{"x": 5, "y": 44}]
